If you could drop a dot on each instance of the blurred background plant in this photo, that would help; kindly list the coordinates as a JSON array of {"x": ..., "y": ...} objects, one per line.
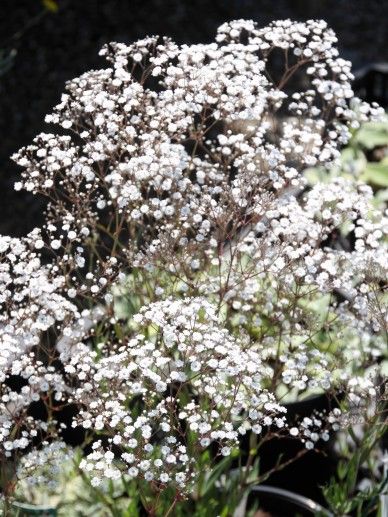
[
  {"x": 71, "y": 494},
  {"x": 365, "y": 158},
  {"x": 360, "y": 483}
]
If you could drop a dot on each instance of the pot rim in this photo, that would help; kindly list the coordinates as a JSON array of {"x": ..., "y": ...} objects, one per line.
[{"x": 286, "y": 495}]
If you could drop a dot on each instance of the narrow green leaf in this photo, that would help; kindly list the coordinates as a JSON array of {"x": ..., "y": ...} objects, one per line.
[{"x": 51, "y": 5}]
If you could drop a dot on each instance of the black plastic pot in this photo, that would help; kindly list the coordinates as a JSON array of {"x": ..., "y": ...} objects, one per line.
[
  {"x": 283, "y": 503},
  {"x": 313, "y": 469}
]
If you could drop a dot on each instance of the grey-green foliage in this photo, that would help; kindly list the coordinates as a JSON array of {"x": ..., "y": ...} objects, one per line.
[{"x": 361, "y": 458}]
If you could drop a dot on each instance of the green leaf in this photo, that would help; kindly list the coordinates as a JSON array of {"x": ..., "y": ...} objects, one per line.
[
  {"x": 373, "y": 134},
  {"x": 376, "y": 173},
  {"x": 342, "y": 470},
  {"x": 353, "y": 161},
  {"x": 51, "y": 5},
  {"x": 216, "y": 473}
]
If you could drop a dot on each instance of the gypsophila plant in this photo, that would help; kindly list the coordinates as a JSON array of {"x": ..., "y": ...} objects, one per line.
[{"x": 188, "y": 281}]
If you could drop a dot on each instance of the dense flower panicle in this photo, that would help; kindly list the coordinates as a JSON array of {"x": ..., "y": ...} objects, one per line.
[
  {"x": 188, "y": 375},
  {"x": 31, "y": 297},
  {"x": 188, "y": 280},
  {"x": 160, "y": 135},
  {"x": 37, "y": 382}
]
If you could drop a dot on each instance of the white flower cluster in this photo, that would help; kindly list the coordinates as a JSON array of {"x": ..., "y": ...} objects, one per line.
[
  {"x": 170, "y": 136},
  {"x": 187, "y": 376},
  {"x": 30, "y": 297},
  {"x": 182, "y": 172}
]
